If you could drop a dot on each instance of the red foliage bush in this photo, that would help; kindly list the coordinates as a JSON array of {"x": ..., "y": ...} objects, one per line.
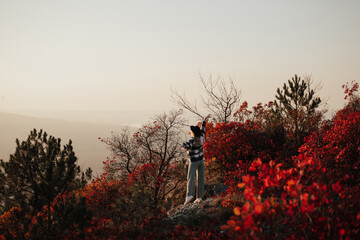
[
  {"x": 231, "y": 147},
  {"x": 279, "y": 205},
  {"x": 318, "y": 198},
  {"x": 121, "y": 209},
  {"x": 335, "y": 149},
  {"x": 10, "y": 226}
]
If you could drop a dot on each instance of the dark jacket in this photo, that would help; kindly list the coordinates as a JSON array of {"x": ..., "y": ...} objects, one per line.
[{"x": 196, "y": 152}]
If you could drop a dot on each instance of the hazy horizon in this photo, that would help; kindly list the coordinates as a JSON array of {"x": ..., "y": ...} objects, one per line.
[
  {"x": 91, "y": 152},
  {"x": 119, "y": 118}
]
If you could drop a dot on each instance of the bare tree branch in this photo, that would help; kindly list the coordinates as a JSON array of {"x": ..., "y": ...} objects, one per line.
[
  {"x": 220, "y": 98},
  {"x": 316, "y": 87},
  {"x": 181, "y": 101}
]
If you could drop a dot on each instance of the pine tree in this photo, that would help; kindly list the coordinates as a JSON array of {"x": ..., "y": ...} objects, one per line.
[
  {"x": 295, "y": 106},
  {"x": 38, "y": 171}
]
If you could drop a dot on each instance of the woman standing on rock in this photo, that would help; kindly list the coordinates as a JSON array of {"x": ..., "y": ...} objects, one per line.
[{"x": 196, "y": 165}]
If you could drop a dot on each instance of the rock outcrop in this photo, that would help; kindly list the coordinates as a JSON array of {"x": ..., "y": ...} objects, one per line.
[{"x": 197, "y": 213}]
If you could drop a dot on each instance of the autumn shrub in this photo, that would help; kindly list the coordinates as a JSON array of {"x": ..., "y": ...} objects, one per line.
[
  {"x": 336, "y": 151},
  {"x": 121, "y": 209},
  {"x": 100, "y": 196},
  {"x": 10, "y": 225},
  {"x": 317, "y": 198},
  {"x": 351, "y": 95},
  {"x": 226, "y": 144},
  {"x": 231, "y": 147},
  {"x": 103, "y": 209},
  {"x": 279, "y": 205},
  {"x": 335, "y": 148},
  {"x": 66, "y": 211}
]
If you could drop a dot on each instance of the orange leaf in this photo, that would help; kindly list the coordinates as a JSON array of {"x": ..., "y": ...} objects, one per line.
[
  {"x": 291, "y": 182},
  {"x": 237, "y": 211},
  {"x": 241, "y": 185},
  {"x": 258, "y": 209}
]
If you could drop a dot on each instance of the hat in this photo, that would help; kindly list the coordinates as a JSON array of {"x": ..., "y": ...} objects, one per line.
[{"x": 196, "y": 131}]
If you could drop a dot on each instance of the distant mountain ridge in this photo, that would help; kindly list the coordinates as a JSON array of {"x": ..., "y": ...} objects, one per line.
[
  {"x": 91, "y": 152},
  {"x": 106, "y": 117}
]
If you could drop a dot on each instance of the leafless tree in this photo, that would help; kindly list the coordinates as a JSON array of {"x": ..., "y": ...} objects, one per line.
[
  {"x": 316, "y": 86},
  {"x": 157, "y": 142},
  {"x": 219, "y": 97},
  {"x": 125, "y": 153}
]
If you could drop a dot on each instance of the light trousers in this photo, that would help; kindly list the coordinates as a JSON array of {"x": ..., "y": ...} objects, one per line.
[{"x": 196, "y": 168}]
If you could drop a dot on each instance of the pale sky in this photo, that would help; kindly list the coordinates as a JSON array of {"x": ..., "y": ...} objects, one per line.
[{"x": 126, "y": 55}]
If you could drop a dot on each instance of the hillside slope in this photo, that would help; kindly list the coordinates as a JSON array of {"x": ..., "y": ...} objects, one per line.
[{"x": 90, "y": 151}]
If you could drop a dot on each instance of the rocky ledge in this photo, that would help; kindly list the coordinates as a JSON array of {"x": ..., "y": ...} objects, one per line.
[{"x": 197, "y": 213}]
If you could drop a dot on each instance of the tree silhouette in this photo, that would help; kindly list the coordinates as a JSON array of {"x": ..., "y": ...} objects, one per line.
[
  {"x": 295, "y": 106},
  {"x": 38, "y": 171}
]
